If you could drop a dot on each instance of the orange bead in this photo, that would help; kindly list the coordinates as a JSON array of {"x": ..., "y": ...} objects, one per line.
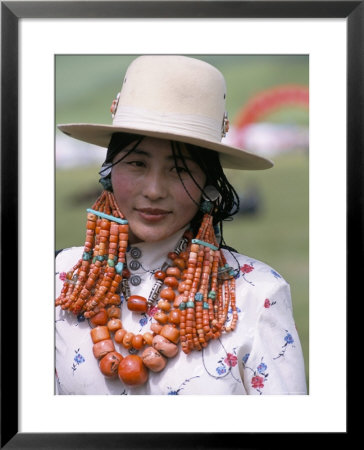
[
  {"x": 132, "y": 371},
  {"x": 159, "y": 275},
  {"x": 148, "y": 338},
  {"x": 114, "y": 324},
  {"x": 156, "y": 327},
  {"x": 119, "y": 335},
  {"x": 153, "y": 359},
  {"x": 164, "y": 346},
  {"x": 173, "y": 272},
  {"x": 174, "y": 316},
  {"x": 137, "y": 341},
  {"x": 123, "y": 228},
  {"x": 101, "y": 348},
  {"x": 172, "y": 255},
  {"x": 168, "y": 294},
  {"x": 171, "y": 282},
  {"x": 105, "y": 224},
  {"x": 164, "y": 305},
  {"x": 180, "y": 263},
  {"x": 137, "y": 303},
  {"x": 109, "y": 364},
  {"x": 182, "y": 287},
  {"x": 171, "y": 333},
  {"x": 114, "y": 229},
  {"x": 114, "y": 312},
  {"x": 127, "y": 341},
  {"x": 184, "y": 255},
  {"x": 161, "y": 317},
  {"x": 114, "y": 300},
  {"x": 99, "y": 333}
]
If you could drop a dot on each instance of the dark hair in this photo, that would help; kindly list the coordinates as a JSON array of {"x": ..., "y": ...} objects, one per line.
[{"x": 207, "y": 160}]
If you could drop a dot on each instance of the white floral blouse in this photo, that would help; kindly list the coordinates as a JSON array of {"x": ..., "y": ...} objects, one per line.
[{"x": 261, "y": 356}]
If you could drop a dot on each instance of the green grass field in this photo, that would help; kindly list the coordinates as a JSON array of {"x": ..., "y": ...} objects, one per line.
[{"x": 277, "y": 234}]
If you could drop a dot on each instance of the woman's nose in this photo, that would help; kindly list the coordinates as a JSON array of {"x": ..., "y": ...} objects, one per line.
[{"x": 154, "y": 186}]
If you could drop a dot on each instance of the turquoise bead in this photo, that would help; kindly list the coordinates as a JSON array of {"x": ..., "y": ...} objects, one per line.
[
  {"x": 205, "y": 305},
  {"x": 205, "y": 244},
  {"x": 190, "y": 305},
  {"x": 206, "y": 206},
  {"x": 110, "y": 263},
  {"x": 198, "y": 296},
  {"x": 86, "y": 256},
  {"x": 182, "y": 306},
  {"x": 107, "y": 216},
  {"x": 119, "y": 267},
  {"x": 106, "y": 183}
]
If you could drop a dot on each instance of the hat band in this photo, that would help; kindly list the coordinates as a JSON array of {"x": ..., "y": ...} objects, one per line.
[{"x": 197, "y": 126}]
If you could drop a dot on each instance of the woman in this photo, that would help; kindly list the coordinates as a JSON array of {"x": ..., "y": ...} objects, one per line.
[{"x": 155, "y": 302}]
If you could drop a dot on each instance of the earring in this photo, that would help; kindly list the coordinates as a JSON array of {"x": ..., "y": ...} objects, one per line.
[
  {"x": 106, "y": 183},
  {"x": 210, "y": 197}
]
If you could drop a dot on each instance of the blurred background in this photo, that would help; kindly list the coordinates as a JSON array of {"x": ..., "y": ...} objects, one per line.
[{"x": 267, "y": 104}]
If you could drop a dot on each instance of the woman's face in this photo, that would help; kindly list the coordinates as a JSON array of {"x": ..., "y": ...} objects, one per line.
[{"x": 149, "y": 192}]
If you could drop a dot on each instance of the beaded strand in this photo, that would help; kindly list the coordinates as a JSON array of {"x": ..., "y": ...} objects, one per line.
[{"x": 193, "y": 292}]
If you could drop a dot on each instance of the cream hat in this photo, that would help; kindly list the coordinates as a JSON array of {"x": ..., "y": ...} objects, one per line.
[{"x": 176, "y": 98}]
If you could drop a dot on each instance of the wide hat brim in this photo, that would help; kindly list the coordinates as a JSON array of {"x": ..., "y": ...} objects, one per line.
[{"x": 230, "y": 157}]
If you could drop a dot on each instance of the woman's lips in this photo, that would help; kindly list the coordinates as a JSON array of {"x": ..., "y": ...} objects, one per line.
[{"x": 152, "y": 214}]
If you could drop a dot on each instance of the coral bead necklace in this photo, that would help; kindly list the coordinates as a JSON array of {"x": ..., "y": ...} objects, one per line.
[{"x": 193, "y": 292}]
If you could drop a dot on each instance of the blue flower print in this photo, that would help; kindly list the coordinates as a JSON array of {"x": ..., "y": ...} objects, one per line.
[
  {"x": 245, "y": 358},
  {"x": 78, "y": 359},
  {"x": 143, "y": 321},
  {"x": 262, "y": 367},
  {"x": 288, "y": 339},
  {"x": 221, "y": 369},
  {"x": 275, "y": 274}
]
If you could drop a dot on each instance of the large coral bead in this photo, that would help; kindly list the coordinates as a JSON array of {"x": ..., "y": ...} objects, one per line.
[{"x": 132, "y": 371}]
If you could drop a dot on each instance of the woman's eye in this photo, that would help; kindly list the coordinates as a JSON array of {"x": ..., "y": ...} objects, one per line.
[
  {"x": 136, "y": 163},
  {"x": 179, "y": 169}
]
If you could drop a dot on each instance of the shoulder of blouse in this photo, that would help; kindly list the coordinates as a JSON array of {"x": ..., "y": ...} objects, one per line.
[{"x": 250, "y": 268}]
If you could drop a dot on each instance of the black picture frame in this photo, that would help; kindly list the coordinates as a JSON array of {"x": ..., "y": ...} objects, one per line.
[{"x": 11, "y": 13}]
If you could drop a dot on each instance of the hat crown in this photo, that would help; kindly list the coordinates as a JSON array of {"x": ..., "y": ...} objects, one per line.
[
  {"x": 174, "y": 91},
  {"x": 172, "y": 97}
]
